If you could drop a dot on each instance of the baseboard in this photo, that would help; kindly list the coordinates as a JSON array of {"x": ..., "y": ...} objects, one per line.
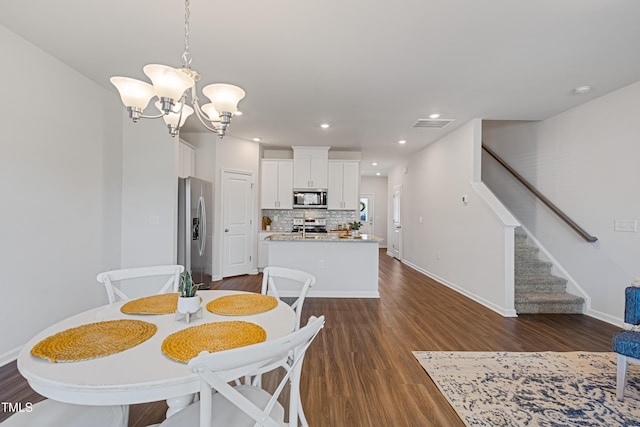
[
  {"x": 9, "y": 356},
  {"x": 216, "y": 278},
  {"x": 491, "y": 306},
  {"x": 605, "y": 318}
]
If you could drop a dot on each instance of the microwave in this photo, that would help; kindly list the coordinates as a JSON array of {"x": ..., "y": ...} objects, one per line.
[{"x": 309, "y": 199}]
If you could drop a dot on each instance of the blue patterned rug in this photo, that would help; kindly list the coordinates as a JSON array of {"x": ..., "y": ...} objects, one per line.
[{"x": 534, "y": 389}]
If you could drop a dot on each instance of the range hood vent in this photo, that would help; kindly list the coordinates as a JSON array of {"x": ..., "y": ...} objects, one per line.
[{"x": 432, "y": 123}]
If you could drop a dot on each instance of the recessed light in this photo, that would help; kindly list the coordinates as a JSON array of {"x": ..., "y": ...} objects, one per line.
[
  {"x": 581, "y": 90},
  {"x": 402, "y": 141},
  {"x": 377, "y": 173},
  {"x": 325, "y": 125},
  {"x": 434, "y": 116},
  {"x": 257, "y": 139},
  {"x": 374, "y": 164}
]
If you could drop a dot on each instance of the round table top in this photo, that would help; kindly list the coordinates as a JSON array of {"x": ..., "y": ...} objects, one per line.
[{"x": 137, "y": 375}]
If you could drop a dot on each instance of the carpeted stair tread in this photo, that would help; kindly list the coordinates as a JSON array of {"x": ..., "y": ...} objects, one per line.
[
  {"x": 535, "y": 280},
  {"x": 548, "y": 298}
]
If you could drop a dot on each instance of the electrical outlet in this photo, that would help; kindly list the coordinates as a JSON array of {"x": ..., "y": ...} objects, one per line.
[
  {"x": 321, "y": 263},
  {"x": 438, "y": 255}
]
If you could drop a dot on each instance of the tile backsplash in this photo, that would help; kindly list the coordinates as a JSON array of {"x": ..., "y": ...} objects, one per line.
[{"x": 282, "y": 219}]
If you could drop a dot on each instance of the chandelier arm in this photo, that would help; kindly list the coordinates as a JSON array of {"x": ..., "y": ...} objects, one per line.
[
  {"x": 202, "y": 118},
  {"x": 152, "y": 117},
  {"x": 196, "y": 106}
]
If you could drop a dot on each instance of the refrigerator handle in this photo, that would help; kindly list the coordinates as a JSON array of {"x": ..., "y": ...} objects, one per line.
[{"x": 202, "y": 213}]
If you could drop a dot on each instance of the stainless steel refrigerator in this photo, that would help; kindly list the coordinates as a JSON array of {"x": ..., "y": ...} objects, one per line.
[{"x": 195, "y": 226}]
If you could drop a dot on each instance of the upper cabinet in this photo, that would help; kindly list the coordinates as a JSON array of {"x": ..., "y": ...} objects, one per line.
[
  {"x": 310, "y": 167},
  {"x": 276, "y": 184},
  {"x": 343, "y": 189}
]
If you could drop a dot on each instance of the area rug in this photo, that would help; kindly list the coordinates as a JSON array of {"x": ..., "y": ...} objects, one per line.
[{"x": 534, "y": 389}]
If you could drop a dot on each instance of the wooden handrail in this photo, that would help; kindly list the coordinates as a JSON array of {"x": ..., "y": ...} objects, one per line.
[{"x": 586, "y": 236}]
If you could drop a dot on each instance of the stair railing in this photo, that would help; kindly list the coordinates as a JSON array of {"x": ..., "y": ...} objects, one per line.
[{"x": 586, "y": 236}]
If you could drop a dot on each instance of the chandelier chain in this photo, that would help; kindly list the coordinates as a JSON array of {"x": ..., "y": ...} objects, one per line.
[{"x": 186, "y": 56}]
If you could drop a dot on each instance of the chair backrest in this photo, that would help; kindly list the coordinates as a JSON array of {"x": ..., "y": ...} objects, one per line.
[
  {"x": 113, "y": 279},
  {"x": 303, "y": 281},
  {"x": 216, "y": 370},
  {"x": 632, "y": 305}
]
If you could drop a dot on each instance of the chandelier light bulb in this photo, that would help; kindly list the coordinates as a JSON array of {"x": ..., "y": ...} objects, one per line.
[
  {"x": 133, "y": 93},
  {"x": 211, "y": 112},
  {"x": 224, "y": 97},
  {"x": 168, "y": 82}
]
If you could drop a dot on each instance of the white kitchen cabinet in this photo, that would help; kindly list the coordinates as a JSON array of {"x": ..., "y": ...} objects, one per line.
[
  {"x": 276, "y": 184},
  {"x": 343, "y": 186},
  {"x": 310, "y": 167}
]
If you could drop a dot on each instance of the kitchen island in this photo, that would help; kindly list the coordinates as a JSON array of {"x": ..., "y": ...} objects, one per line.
[{"x": 344, "y": 267}]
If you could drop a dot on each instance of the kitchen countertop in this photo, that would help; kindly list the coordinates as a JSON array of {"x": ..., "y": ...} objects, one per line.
[{"x": 331, "y": 237}]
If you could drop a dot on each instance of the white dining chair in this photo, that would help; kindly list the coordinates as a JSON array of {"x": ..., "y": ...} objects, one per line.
[
  {"x": 296, "y": 282},
  {"x": 53, "y": 413},
  {"x": 113, "y": 280},
  {"x": 246, "y": 405},
  {"x": 277, "y": 281}
]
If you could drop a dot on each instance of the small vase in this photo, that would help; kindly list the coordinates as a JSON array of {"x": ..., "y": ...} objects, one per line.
[
  {"x": 355, "y": 233},
  {"x": 267, "y": 227},
  {"x": 188, "y": 304}
]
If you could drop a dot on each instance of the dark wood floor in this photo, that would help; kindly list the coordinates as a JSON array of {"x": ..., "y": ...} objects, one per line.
[{"x": 360, "y": 370}]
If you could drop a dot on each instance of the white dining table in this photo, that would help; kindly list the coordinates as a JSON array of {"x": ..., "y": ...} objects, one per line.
[{"x": 140, "y": 374}]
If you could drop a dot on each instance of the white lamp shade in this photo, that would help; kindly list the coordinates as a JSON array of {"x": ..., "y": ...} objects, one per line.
[
  {"x": 172, "y": 118},
  {"x": 168, "y": 82},
  {"x": 224, "y": 97},
  {"x": 211, "y": 112},
  {"x": 133, "y": 93}
]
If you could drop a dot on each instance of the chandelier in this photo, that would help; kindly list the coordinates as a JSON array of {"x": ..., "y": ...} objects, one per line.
[{"x": 174, "y": 87}]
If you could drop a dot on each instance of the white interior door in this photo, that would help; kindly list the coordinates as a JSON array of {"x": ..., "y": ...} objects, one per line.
[
  {"x": 237, "y": 200},
  {"x": 366, "y": 214},
  {"x": 395, "y": 239}
]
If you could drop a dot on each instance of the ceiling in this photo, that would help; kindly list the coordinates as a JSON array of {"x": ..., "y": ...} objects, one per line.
[{"x": 369, "y": 68}]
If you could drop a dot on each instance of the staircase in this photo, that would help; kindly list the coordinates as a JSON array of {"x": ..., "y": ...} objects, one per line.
[{"x": 536, "y": 289}]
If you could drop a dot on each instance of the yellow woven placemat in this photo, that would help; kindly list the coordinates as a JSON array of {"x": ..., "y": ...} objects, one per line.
[
  {"x": 93, "y": 340},
  {"x": 186, "y": 344},
  {"x": 242, "y": 304},
  {"x": 154, "y": 304}
]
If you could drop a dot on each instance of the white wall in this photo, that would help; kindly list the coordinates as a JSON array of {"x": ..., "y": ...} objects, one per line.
[
  {"x": 377, "y": 185},
  {"x": 584, "y": 160},
  {"x": 461, "y": 246},
  {"x": 149, "y": 199},
  {"x": 60, "y": 181}
]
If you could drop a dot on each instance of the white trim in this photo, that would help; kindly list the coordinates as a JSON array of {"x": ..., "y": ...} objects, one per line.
[
  {"x": 558, "y": 270},
  {"x": 615, "y": 321},
  {"x": 509, "y": 269},
  {"x": 9, "y": 356},
  {"x": 500, "y": 310},
  {"x": 495, "y": 205}
]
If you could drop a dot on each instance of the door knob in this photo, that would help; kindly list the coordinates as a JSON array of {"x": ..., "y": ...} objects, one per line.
[{"x": 226, "y": 230}]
